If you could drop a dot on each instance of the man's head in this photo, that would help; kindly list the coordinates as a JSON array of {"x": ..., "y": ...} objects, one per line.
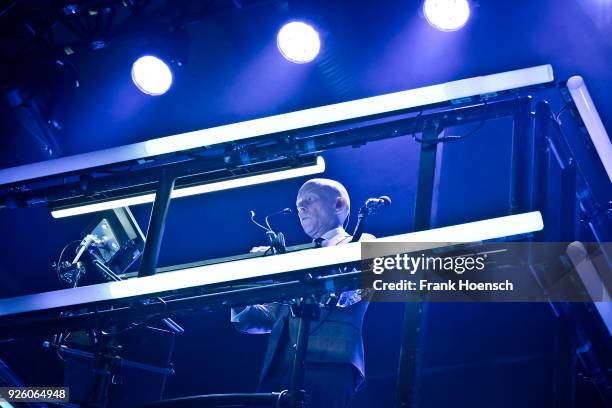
[{"x": 322, "y": 205}]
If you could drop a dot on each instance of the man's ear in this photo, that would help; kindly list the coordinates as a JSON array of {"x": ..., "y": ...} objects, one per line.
[{"x": 340, "y": 204}]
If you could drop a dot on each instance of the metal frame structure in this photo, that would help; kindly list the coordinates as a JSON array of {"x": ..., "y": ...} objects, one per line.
[
  {"x": 575, "y": 208},
  {"x": 428, "y": 124},
  {"x": 161, "y": 173}
]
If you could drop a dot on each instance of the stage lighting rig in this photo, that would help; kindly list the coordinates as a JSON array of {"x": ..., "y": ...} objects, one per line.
[
  {"x": 153, "y": 73},
  {"x": 298, "y": 42},
  {"x": 446, "y": 15}
]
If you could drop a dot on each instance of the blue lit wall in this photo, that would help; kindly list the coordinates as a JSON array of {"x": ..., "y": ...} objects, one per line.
[{"x": 235, "y": 73}]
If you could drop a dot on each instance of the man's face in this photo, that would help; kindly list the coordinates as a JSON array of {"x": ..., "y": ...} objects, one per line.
[{"x": 316, "y": 211}]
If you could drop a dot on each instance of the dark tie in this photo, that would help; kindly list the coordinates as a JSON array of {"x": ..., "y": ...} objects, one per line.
[{"x": 319, "y": 242}]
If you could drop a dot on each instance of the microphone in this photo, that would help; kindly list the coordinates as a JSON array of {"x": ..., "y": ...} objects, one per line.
[
  {"x": 276, "y": 240},
  {"x": 284, "y": 211},
  {"x": 376, "y": 203},
  {"x": 370, "y": 207}
]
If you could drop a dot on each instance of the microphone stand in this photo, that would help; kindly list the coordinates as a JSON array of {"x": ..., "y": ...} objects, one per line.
[
  {"x": 107, "y": 348},
  {"x": 362, "y": 216},
  {"x": 306, "y": 310},
  {"x": 370, "y": 207},
  {"x": 276, "y": 240}
]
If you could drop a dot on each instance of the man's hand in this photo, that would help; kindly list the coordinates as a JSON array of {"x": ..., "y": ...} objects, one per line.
[{"x": 259, "y": 249}]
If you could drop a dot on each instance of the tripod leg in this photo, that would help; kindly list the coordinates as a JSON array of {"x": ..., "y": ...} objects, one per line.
[{"x": 103, "y": 373}]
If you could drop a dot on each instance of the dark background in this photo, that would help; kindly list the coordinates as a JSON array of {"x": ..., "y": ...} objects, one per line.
[{"x": 474, "y": 354}]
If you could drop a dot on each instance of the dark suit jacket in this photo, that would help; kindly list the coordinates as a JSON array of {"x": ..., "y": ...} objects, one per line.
[{"x": 336, "y": 337}]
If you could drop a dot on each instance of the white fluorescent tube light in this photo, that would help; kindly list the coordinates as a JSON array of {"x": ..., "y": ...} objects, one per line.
[
  {"x": 360, "y": 108},
  {"x": 592, "y": 121},
  {"x": 477, "y": 230},
  {"x": 317, "y": 168},
  {"x": 266, "y": 266},
  {"x": 596, "y": 289}
]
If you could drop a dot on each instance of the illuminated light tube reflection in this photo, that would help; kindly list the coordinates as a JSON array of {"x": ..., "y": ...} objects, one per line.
[
  {"x": 317, "y": 168},
  {"x": 592, "y": 121}
]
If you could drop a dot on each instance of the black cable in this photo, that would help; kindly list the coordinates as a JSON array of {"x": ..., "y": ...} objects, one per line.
[
  {"x": 450, "y": 138},
  {"x": 59, "y": 262},
  {"x": 66, "y": 247},
  {"x": 446, "y": 138}
]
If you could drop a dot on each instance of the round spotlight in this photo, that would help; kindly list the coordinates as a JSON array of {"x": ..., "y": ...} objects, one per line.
[
  {"x": 298, "y": 42},
  {"x": 151, "y": 75},
  {"x": 446, "y": 15}
]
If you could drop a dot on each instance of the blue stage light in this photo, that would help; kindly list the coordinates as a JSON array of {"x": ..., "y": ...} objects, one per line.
[
  {"x": 298, "y": 42},
  {"x": 151, "y": 75},
  {"x": 446, "y": 15}
]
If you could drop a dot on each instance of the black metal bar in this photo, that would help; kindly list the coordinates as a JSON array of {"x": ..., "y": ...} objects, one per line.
[
  {"x": 541, "y": 175},
  {"x": 407, "y": 365},
  {"x": 407, "y": 369},
  {"x": 425, "y": 184},
  {"x": 110, "y": 275},
  {"x": 157, "y": 224},
  {"x": 568, "y": 209},
  {"x": 144, "y": 178},
  {"x": 297, "y": 365},
  {"x": 103, "y": 372},
  {"x": 560, "y": 156},
  {"x": 306, "y": 311},
  {"x": 132, "y": 178},
  {"x": 564, "y": 364},
  {"x": 521, "y": 159},
  {"x": 70, "y": 320},
  {"x": 555, "y": 164},
  {"x": 65, "y": 350}
]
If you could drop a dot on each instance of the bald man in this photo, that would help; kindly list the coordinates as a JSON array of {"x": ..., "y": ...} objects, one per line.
[{"x": 334, "y": 358}]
